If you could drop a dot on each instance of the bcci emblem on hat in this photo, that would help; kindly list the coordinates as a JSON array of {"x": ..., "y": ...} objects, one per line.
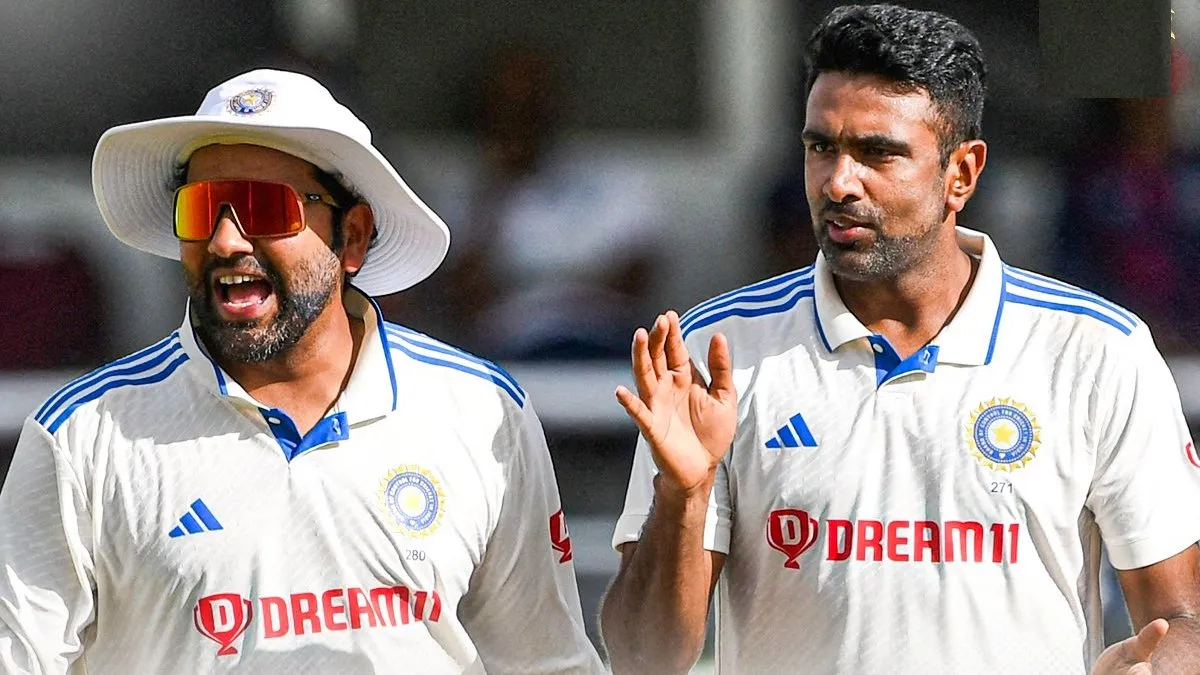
[
  {"x": 414, "y": 499},
  {"x": 1003, "y": 434},
  {"x": 250, "y": 102}
]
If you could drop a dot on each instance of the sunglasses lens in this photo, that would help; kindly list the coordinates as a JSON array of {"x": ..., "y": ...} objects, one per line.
[
  {"x": 262, "y": 209},
  {"x": 271, "y": 209},
  {"x": 194, "y": 217}
]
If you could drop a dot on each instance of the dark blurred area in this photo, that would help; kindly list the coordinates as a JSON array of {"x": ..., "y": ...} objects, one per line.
[
  {"x": 596, "y": 163},
  {"x": 552, "y": 251}
]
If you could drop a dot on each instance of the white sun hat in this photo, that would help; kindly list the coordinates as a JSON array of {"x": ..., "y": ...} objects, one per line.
[{"x": 134, "y": 170}]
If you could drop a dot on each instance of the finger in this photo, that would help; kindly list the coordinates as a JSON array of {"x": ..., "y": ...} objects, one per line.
[
  {"x": 658, "y": 337},
  {"x": 720, "y": 369},
  {"x": 637, "y": 411},
  {"x": 643, "y": 370},
  {"x": 1147, "y": 640},
  {"x": 677, "y": 354}
]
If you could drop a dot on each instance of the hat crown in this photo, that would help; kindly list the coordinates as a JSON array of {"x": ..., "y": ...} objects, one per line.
[{"x": 281, "y": 98}]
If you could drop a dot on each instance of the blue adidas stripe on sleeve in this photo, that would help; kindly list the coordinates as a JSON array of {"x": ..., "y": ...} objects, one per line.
[{"x": 427, "y": 350}]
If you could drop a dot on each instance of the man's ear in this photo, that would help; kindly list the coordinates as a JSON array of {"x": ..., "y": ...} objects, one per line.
[
  {"x": 358, "y": 224},
  {"x": 962, "y": 173}
]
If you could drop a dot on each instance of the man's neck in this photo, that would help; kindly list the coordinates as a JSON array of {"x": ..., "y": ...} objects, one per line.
[
  {"x": 912, "y": 308},
  {"x": 307, "y": 380}
]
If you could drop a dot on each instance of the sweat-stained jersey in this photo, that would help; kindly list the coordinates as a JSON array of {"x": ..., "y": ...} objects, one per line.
[
  {"x": 942, "y": 513},
  {"x": 156, "y": 519}
]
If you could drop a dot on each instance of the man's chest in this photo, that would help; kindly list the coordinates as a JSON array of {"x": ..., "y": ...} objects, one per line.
[
  {"x": 892, "y": 471},
  {"x": 382, "y": 527}
]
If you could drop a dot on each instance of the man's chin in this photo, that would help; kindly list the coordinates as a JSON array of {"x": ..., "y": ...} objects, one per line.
[
  {"x": 240, "y": 342},
  {"x": 847, "y": 262}
]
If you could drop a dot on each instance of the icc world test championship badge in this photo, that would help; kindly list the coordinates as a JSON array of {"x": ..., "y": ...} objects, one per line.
[
  {"x": 413, "y": 497},
  {"x": 1003, "y": 434}
]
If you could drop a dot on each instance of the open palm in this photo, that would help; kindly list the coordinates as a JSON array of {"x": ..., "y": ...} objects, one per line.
[{"x": 688, "y": 424}]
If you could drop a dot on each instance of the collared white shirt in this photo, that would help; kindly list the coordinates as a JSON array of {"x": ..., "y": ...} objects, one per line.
[
  {"x": 942, "y": 513},
  {"x": 158, "y": 519}
]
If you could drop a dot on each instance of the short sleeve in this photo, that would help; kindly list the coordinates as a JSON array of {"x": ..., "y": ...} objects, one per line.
[
  {"x": 46, "y": 569},
  {"x": 522, "y": 609},
  {"x": 1145, "y": 492},
  {"x": 638, "y": 498}
]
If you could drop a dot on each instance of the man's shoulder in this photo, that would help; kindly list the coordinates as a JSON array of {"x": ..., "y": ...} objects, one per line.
[
  {"x": 136, "y": 371},
  {"x": 762, "y": 308},
  {"x": 443, "y": 363},
  {"x": 1046, "y": 297}
]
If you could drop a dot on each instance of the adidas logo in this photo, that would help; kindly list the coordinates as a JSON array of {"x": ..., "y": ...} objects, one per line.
[
  {"x": 198, "y": 519},
  {"x": 794, "y": 434}
]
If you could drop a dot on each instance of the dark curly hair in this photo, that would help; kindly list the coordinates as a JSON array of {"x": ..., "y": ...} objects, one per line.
[{"x": 917, "y": 50}]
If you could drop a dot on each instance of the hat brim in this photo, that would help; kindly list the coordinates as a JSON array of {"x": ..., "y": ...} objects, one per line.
[{"x": 133, "y": 177}]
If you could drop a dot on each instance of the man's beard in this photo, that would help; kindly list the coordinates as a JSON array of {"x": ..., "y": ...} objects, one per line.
[
  {"x": 886, "y": 257},
  {"x": 299, "y": 303}
]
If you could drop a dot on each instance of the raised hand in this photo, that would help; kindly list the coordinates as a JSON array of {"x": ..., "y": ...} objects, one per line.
[
  {"x": 688, "y": 424},
  {"x": 1132, "y": 656}
]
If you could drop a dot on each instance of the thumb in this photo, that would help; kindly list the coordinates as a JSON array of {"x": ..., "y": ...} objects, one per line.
[{"x": 1147, "y": 639}]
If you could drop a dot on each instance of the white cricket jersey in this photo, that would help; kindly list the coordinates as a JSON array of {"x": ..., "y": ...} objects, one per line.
[
  {"x": 157, "y": 519},
  {"x": 941, "y": 513}
]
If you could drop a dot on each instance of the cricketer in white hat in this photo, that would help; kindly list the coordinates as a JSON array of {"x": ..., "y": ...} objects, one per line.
[{"x": 287, "y": 482}]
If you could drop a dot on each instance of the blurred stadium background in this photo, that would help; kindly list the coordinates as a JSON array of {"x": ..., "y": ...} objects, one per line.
[{"x": 695, "y": 103}]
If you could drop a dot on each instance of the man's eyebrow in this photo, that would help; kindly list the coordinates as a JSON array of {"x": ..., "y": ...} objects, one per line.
[
  {"x": 810, "y": 136},
  {"x": 881, "y": 141}
]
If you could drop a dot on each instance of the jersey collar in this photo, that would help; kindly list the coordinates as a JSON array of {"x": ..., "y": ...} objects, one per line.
[
  {"x": 969, "y": 339},
  {"x": 369, "y": 393}
]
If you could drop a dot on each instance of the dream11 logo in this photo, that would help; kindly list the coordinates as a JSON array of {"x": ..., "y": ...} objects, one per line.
[
  {"x": 792, "y": 532},
  {"x": 560, "y": 538},
  {"x": 1192, "y": 456},
  {"x": 223, "y": 618}
]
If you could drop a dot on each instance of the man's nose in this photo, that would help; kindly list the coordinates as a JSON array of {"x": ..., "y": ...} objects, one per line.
[
  {"x": 844, "y": 183},
  {"x": 227, "y": 239}
]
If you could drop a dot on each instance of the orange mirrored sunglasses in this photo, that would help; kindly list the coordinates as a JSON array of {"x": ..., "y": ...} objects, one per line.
[{"x": 260, "y": 208}]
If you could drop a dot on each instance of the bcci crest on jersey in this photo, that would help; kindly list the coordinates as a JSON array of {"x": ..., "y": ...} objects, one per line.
[
  {"x": 1003, "y": 435},
  {"x": 414, "y": 499}
]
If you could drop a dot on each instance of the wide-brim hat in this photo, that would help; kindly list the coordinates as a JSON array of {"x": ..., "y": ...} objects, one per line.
[{"x": 135, "y": 165}]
